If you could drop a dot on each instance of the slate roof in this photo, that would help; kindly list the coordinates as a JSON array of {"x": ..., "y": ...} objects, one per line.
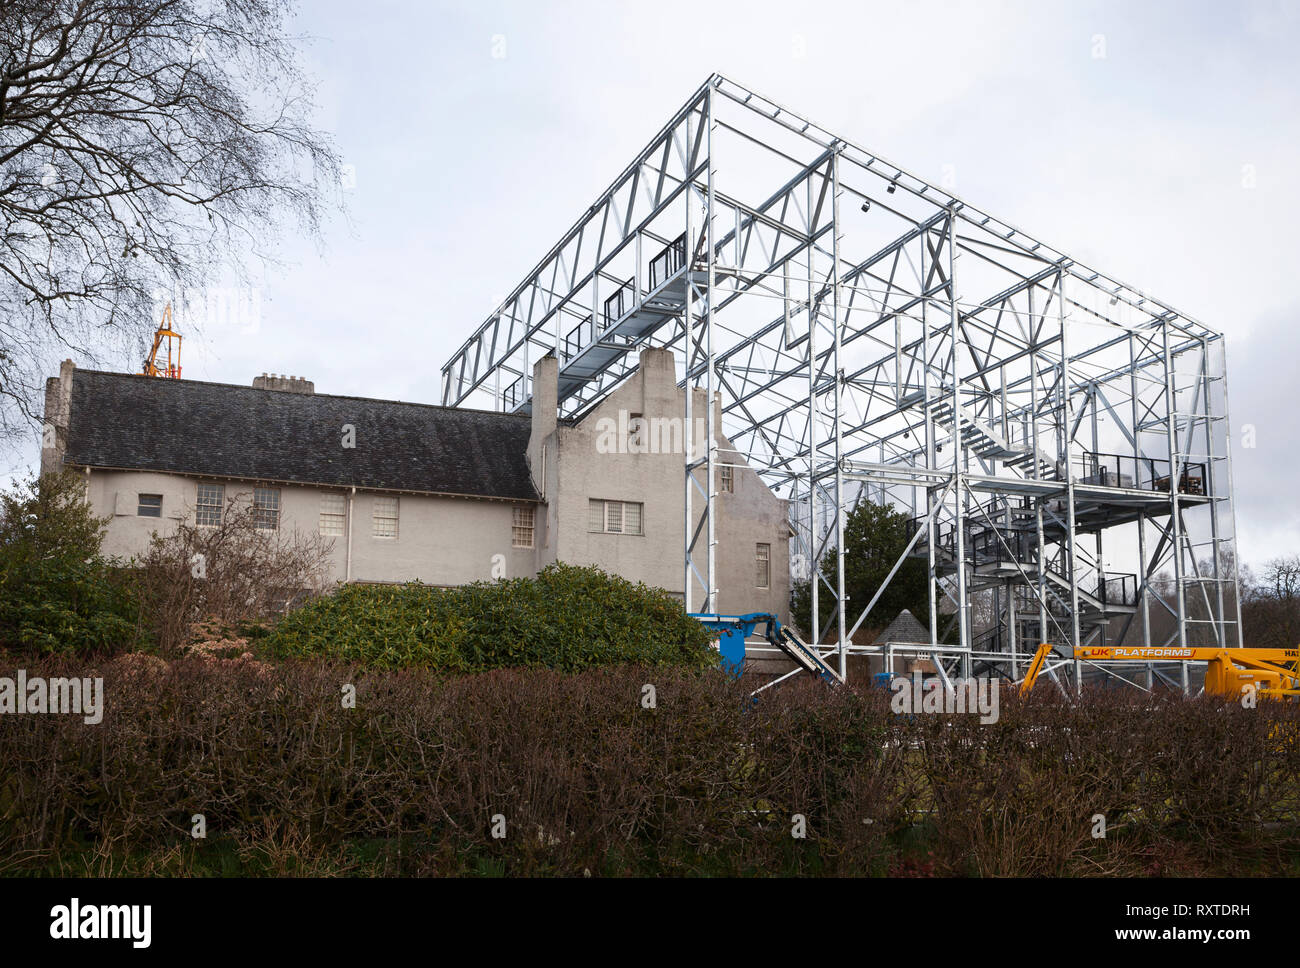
[
  {"x": 905, "y": 628},
  {"x": 133, "y": 422}
]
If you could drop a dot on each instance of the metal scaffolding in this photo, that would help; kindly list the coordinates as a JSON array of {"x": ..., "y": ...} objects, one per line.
[{"x": 1058, "y": 439}]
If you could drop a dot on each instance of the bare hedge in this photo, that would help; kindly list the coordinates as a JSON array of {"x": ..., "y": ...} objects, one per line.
[{"x": 588, "y": 780}]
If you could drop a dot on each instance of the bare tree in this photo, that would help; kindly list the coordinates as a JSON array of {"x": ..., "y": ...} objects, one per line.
[
  {"x": 1271, "y": 604},
  {"x": 145, "y": 145},
  {"x": 228, "y": 573}
]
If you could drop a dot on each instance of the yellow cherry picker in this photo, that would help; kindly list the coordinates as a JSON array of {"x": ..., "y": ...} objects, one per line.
[{"x": 1271, "y": 673}]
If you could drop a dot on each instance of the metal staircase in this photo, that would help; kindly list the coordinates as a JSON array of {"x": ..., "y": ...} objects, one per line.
[{"x": 989, "y": 445}]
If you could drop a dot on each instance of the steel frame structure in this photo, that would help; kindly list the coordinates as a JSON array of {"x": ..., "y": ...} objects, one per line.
[{"x": 872, "y": 336}]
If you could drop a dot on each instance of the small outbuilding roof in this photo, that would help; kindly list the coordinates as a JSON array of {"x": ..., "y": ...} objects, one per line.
[{"x": 905, "y": 628}]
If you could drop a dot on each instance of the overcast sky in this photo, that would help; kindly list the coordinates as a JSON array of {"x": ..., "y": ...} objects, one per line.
[{"x": 1157, "y": 142}]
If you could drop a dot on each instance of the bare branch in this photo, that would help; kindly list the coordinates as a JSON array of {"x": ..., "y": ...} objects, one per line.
[{"x": 146, "y": 146}]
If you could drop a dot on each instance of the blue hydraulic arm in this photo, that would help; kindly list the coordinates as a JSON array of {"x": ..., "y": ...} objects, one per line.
[{"x": 734, "y": 629}]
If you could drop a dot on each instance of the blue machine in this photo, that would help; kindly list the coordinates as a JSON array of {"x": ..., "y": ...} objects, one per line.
[{"x": 733, "y": 630}]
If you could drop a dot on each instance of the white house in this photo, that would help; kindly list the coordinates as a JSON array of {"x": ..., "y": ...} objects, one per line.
[{"x": 414, "y": 492}]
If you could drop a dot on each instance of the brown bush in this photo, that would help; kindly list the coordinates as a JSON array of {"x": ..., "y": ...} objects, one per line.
[
  {"x": 226, "y": 574},
  {"x": 590, "y": 781}
]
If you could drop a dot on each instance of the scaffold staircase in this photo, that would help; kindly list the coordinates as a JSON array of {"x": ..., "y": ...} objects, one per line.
[{"x": 989, "y": 445}]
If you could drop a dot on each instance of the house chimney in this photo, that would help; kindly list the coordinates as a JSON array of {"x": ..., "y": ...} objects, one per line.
[
  {"x": 657, "y": 370},
  {"x": 546, "y": 378},
  {"x": 286, "y": 384},
  {"x": 58, "y": 407}
]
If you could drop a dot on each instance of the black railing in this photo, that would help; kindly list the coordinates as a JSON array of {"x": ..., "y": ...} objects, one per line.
[
  {"x": 1190, "y": 481},
  {"x": 1118, "y": 589},
  {"x": 577, "y": 338},
  {"x": 943, "y": 534},
  {"x": 999, "y": 532},
  {"x": 513, "y": 394},
  {"x": 672, "y": 258},
  {"x": 1108, "y": 470},
  {"x": 1140, "y": 473},
  {"x": 1001, "y": 546},
  {"x": 620, "y": 304}
]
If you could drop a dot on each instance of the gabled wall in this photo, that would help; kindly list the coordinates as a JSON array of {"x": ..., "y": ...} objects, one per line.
[{"x": 608, "y": 455}]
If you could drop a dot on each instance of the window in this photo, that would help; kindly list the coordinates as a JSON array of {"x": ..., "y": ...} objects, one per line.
[
  {"x": 266, "y": 508},
  {"x": 149, "y": 506},
  {"x": 614, "y": 517},
  {"x": 207, "y": 510},
  {"x": 763, "y": 559},
  {"x": 522, "y": 530},
  {"x": 726, "y": 478},
  {"x": 333, "y": 514},
  {"x": 385, "y": 517}
]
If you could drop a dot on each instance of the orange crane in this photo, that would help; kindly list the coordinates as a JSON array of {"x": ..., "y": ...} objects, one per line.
[
  {"x": 1272, "y": 673},
  {"x": 172, "y": 367}
]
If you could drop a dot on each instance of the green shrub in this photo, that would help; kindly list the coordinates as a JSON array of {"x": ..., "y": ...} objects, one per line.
[
  {"x": 567, "y": 618},
  {"x": 57, "y": 594}
]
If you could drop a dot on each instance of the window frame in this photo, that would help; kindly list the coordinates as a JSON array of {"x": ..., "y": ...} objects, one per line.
[
  {"x": 155, "y": 510},
  {"x": 763, "y": 561},
  {"x": 376, "y": 517},
  {"x": 517, "y": 528},
  {"x": 605, "y": 504},
  {"x": 264, "y": 511},
  {"x": 203, "y": 508},
  {"x": 324, "y": 515},
  {"x": 637, "y": 426},
  {"x": 727, "y": 478}
]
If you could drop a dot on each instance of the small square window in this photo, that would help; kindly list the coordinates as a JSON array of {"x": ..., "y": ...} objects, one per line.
[
  {"x": 333, "y": 514},
  {"x": 385, "y": 517},
  {"x": 614, "y": 517},
  {"x": 522, "y": 529},
  {"x": 211, "y": 502},
  {"x": 266, "y": 508},
  {"x": 150, "y": 506}
]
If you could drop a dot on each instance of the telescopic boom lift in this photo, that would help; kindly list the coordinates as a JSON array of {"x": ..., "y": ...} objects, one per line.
[{"x": 1274, "y": 673}]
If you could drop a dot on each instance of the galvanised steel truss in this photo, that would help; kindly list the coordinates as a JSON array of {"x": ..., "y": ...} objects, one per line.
[{"x": 1059, "y": 439}]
